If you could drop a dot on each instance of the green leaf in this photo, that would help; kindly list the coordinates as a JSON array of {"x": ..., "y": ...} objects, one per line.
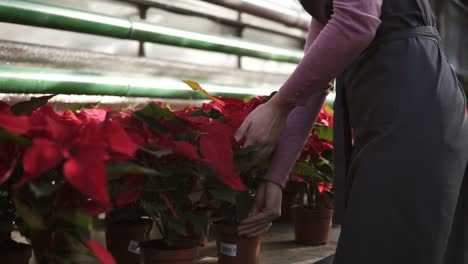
[
  {"x": 305, "y": 169},
  {"x": 214, "y": 114},
  {"x": 44, "y": 190},
  {"x": 267, "y": 98},
  {"x": 157, "y": 113},
  {"x": 153, "y": 124},
  {"x": 153, "y": 209},
  {"x": 10, "y": 137},
  {"x": 323, "y": 162},
  {"x": 200, "y": 224},
  {"x": 224, "y": 194},
  {"x": 324, "y": 132},
  {"x": 196, "y": 87},
  {"x": 329, "y": 109},
  {"x": 158, "y": 153},
  {"x": 31, "y": 218},
  {"x": 244, "y": 156},
  {"x": 80, "y": 220},
  {"x": 152, "y": 115},
  {"x": 77, "y": 107},
  {"x": 30, "y": 106},
  {"x": 244, "y": 205},
  {"x": 176, "y": 225},
  {"x": 124, "y": 168}
]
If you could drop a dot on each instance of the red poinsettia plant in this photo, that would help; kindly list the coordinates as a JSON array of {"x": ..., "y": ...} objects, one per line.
[
  {"x": 55, "y": 171},
  {"x": 315, "y": 165},
  {"x": 191, "y": 165},
  {"x": 233, "y": 204}
]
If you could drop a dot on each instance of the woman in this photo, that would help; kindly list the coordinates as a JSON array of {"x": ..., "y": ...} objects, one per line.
[{"x": 401, "y": 191}]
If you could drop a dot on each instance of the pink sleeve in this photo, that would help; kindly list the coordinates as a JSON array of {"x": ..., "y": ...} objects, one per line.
[
  {"x": 314, "y": 31},
  {"x": 351, "y": 29}
]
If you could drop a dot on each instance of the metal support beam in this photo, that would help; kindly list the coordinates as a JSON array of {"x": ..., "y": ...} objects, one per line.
[
  {"x": 56, "y": 17},
  {"x": 142, "y": 12}
]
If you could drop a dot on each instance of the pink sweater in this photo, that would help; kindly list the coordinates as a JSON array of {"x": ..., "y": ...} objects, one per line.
[{"x": 329, "y": 50}]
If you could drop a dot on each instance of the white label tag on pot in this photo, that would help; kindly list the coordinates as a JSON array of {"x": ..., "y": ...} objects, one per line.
[
  {"x": 228, "y": 249},
  {"x": 134, "y": 247}
]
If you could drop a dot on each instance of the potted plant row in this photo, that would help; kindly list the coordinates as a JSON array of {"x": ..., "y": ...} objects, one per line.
[
  {"x": 154, "y": 168},
  {"x": 315, "y": 169},
  {"x": 197, "y": 163}
]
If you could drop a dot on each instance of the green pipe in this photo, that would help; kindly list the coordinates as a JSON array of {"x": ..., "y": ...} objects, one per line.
[
  {"x": 56, "y": 17},
  {"x": 47, "y": 81}
]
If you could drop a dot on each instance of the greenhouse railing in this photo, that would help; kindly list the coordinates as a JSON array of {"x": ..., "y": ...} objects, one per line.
[{"x": 56, "y": 17}]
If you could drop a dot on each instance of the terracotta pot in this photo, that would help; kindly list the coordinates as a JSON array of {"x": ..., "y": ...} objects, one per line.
[
  {"x": 312, "y": 226},
  {"x": 155, "y": 252},
  {"x": 293, "y": 196},
  {"x": 119, "y": 236},
  {"x": 233, "y": 249},
  {"x": 13, "y": 252}
]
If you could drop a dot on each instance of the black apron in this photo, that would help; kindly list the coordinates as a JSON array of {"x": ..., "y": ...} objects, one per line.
[{"x": 401, "y": 187}]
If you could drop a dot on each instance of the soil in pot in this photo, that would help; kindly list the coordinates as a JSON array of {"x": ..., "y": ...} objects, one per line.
[
  {"x": 13, "y": 252},
  {"x": 233, "y": 249},
  {"x": 122, "y": 239},
  {"x": 312, "y": 226},
  {"x": 157, "y": 252}
]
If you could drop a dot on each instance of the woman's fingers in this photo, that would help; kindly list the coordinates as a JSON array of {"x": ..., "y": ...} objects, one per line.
[
  {"x": 255, "y": 223},
  {"x": 242, "y": 131},
  {"x": 260, "y": 217},
  {"x": 255, "y": 229},
  {"x": 260, "y": 232}
]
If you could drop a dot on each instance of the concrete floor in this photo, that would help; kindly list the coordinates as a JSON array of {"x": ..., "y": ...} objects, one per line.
[{"x": 278, "y": 247}]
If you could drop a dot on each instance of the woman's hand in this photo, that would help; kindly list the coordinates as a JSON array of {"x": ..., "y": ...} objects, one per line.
[
  {"x": 264, "y": 125},
  {"x": 267, "y": 208}
]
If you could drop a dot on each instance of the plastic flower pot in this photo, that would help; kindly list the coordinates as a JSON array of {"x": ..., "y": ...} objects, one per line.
[
  {"x": 13, "y": 252},
  {"x": 157, "y": 252},
  {"x": 123, "y": 238},
  {"x": 233, "y": 249},
  {"x": 312, "y": 226}
]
